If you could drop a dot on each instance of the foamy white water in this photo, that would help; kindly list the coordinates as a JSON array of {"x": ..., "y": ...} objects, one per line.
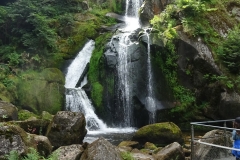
[
  {"x": 150, "y": 100},
  {"x": 78, "y": 65}
]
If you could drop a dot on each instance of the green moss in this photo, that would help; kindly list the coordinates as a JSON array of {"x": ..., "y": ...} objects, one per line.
[
  {"x": 42, "y": 91},
  {"x": 95, "y": 71},
  {"x": 127, "y": 156},
  {"x": 158, "y": 129},
  {"x": 97, "y": 93},
  {"x": 25, "y": 114}
]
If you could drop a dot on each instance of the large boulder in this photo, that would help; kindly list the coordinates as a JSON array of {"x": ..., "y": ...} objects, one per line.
[
  {"x": 218, "y": 137},
  {"x": 12, "y": 137},
  {"x": 171, "y": 151},
  {"x": 72, "y": 152},
  {"x": 67, "y": 128},
  {"x": 101, "y": 149},
  {"x": 8, "y": 111},
  {"x": 159, "y": 133},
  {"x": 42, "y": 91}
]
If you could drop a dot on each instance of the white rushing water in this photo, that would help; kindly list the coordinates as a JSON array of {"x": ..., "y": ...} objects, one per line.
[
  {"x": 151, "y": 104},
  {"x": 123, "y": 79},
  {"x": 76, "y": 98}
]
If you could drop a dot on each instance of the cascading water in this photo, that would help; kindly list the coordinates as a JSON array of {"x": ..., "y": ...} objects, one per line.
[
  {"x": 78, "y": 101},
  {"x": 76, "y": 98},
  {"x": 150, "y": 100},
  {"x": 123, "y": 80}
]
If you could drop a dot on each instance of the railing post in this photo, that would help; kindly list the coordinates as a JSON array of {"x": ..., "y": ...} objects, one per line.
[
  {"x": 225, "y": 136},
  {"x": 192, "y": 142}
]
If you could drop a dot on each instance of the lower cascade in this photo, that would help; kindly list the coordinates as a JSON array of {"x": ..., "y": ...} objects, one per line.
[{"x": 76, "y": 98}]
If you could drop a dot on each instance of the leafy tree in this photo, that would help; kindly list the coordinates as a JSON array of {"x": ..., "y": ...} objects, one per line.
[{"x": 229, "y": 51}]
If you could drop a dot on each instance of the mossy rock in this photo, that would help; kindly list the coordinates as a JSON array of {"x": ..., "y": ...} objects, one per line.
[
  {"x": 42, "y": 91},
  {"x": 159, "y": 134},
  {"x": 5, "y": 95}
]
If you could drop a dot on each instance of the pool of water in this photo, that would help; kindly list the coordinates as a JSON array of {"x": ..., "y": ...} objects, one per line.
[{"x": 113, "y": 135}]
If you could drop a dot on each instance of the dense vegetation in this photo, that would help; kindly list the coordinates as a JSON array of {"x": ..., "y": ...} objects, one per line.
[
  {"x": 195, "y": 18},
  {"x": 42, "y": 34}
]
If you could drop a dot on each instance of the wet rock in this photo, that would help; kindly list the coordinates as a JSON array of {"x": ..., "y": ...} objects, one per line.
[
  {"x": 101, "y": 149},
  {"x": 8, "y": 112},
  {"x": 67, "y": 128},
  {"x": 171, "y": 151}
]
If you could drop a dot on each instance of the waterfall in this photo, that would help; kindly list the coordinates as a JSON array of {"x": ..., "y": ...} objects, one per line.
[
  {"x": 123, "y": 80},
  {"x": 150, "y": 100},
  {"x": 76, "y": 98}
]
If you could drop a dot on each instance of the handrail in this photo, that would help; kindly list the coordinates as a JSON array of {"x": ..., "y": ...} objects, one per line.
[{"x": 206, "y": 124}]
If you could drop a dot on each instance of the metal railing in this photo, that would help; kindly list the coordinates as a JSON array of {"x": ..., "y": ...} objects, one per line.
[{"x": 215, "y": 146}]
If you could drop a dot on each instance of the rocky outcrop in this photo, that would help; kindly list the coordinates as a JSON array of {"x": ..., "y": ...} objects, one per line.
[
  {"x": 218, "y": 137},
  {"x": 101, "y": 149},
  {"x": 159, "y": 133},
  {"x": 229, "y": 105},
  {"x": 150, "y": 8},
  {"x": 8, "y": 112},
  {"x": 67, "y": 128},
  {"x": 171, "y": 151}
]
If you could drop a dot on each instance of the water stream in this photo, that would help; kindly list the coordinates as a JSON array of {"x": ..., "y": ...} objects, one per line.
[
  {"x": 76, "y": 98},
  {"x": 150, "y": 100}
]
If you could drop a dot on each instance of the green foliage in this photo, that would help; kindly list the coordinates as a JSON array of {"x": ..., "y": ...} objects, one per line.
[
  {"x": 31, "y": 155},
  {"x": 24, "y": 114},
  {"x": 13, "y": 155},
  {"x": 94, "y": 72},
  {"x": 229, "y": 51},
  {"x": 127, "y": 156}
]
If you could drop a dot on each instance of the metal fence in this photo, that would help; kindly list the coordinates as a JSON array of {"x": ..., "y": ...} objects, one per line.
[{"x": 215, "y": 144}]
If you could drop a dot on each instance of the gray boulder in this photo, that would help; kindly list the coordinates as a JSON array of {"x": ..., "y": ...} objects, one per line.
[
  {"x": 71, "y": 152},
  {"x": 8, "y": 112},
  {"x": 206, "y": 152},
  {"x": 101, "y": 149},
  {"x": 67, "y": 128},
  {"x": 171, "y": 151}
]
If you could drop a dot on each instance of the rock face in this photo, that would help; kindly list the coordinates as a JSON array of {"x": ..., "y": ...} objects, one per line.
[
  {"x": 214, "y": 137},
  {"x": 171, "y": 151},
  {"x": 42, "y": 91},
  {"x": 101, "y": 149},
  {"x": 8, "y": 111},
  {"x": 152, "y": 7},
  {"x": 159, "y": 133},
  {"x": 136, "y": 77},
  {"x": 229, "y": 105},
  {"x": 67, "y": 128}
]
